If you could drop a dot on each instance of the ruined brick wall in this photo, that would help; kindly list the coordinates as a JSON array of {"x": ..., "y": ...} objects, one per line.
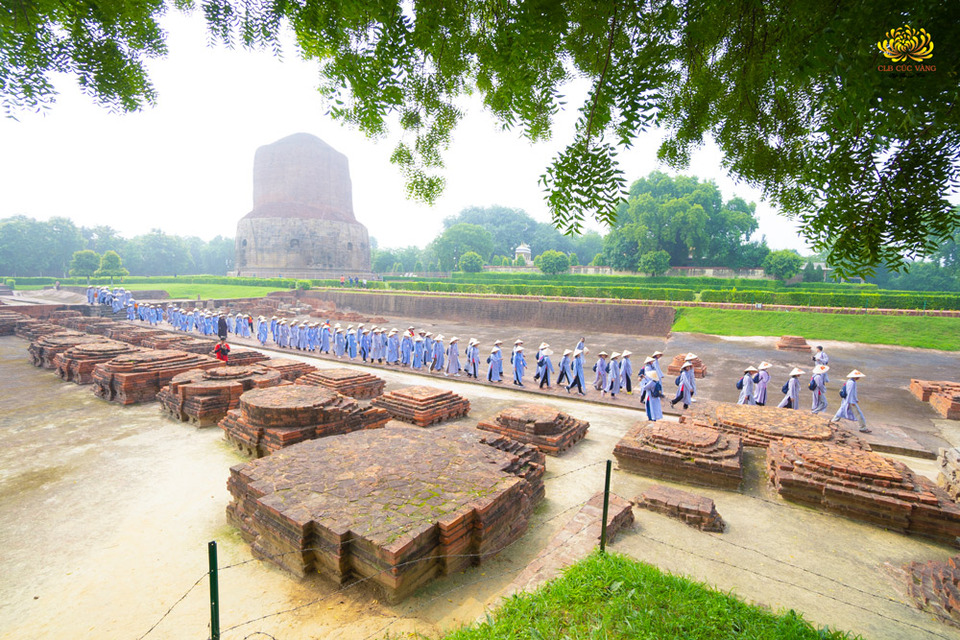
[{"x": 611, "y": 318}]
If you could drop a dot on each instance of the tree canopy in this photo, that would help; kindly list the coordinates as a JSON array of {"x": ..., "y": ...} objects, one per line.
[{"x": 799, "y": 97}]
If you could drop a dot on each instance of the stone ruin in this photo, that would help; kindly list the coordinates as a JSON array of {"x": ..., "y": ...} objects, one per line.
[
  {"x": 949, "y": 476},
  {"x": 8, "y": 322},
  {"x": 935, "y": 588},
  {"x": 88, "y": 324},
  {"x": 133, "y": 334},
  {"x": 699, "y": 369},
  {"x": 180, "y": 342},
  {"x": 943, "y": 396},
  {"x": 241, "y": 356},
  {"x": 204, "y": 396},
  {"x": 689, "y": 508},
  {"x": 550, "y": 430},
  {"x": 290, "y": 370},
  {"x": 864, "y": 486},
  {"x": 422, "y": 405},
  {"x": 760, "y": 426},
  {"x": 30, "y": 329},
  {"x": 398, "y": 506},
  {"x": 138, "y": 377},
  {"x": 793, "y": 343},
  {"x": 349, "y": 382},
  {"x": 77, "y": 363},
  {"x": 45, "y": 348},
  {"x": 64, "y": 313},
  {"x": 683, "y": 453},
  {"x": 268, "y": 420}
]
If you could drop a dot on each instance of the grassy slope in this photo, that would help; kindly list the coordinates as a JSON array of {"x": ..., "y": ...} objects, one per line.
[
  {"x": 611, "y": 596},
  {"x": 205, "y": 291},
  {"x": 907, "y": 331}
]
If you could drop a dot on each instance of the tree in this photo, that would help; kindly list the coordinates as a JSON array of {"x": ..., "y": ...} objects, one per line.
[
  {"x": 471, "y": 262},
  {"x": 457, "y": 240},
  {"x": 519, "y": 261},
  {"x": 111, "y": 266},
  {"x": 656, "y": 263},
  {"x": 382, "y": 261},
  {"x": 783, "y": 264},
  {"x": 574, "y": 260},
  {"x": 553, "y": 262},
  {"x": 866, "y": 166},
  {"x": 84, "y": 264}
]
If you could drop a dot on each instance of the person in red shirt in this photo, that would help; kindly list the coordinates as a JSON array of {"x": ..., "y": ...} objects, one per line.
[{"x": 222, "y": 350}]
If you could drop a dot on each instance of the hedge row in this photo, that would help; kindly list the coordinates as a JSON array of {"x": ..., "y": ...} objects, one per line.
[
  {"x": 626, "y": 293},
  {"x": 882, "y": 300},
  {"x": 682, "y": 282},
  {"x": 282, "y": 283}
]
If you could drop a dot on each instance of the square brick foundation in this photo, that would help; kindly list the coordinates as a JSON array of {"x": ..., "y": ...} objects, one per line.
[
  {"x": 138, "y": 377},
  {"x": 550, "y": 430},
  {"x": 349, "y": 382},
  {"x": 422, "y": 405}
]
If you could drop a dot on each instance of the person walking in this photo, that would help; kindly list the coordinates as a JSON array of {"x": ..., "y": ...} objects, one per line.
[
  {"x": 613, "y": 375},
  {"x": 818, "y": 385},
  {"x": 791, "y": 391},
  {"x": 453, "y": 358},
  {"x": 651, "y": 391},
  {"x": 821, "y": 358},
  {"x": 519, "y": 365},
  {"x": 600, "y": 367},
  {"x": 850, "y": 402},
  {"x": 761, "y": 380},
  {"x": 684, "y": 389},
  {"x": 576, "y": 371},
  {"x": 565, "y": 362},
  {"x": 495, "y": 360},
  {"x": 745, "y": 384},
  {"x": 626, "y": 371},
  {"x": 545, "y": 366}
]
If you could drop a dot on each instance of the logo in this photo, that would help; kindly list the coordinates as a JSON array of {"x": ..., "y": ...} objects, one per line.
[{"x": 907, "y": 43}]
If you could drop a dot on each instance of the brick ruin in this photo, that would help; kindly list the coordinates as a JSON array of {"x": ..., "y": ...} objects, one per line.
[
  {"x": 268, "y": 420},
  {"x": 760, "y": 426},
  {"x": 180, "y": 342},
  {"x": 204, "y": 396},
  {"x": 45, "y": 348},
  {"x": 138, "y": 377},
  {"x": 8, "y": 322},
  {"x": 398, "y": 506},
  {"x": 550, "y": 430},
  {"x": 699, "y": 369},
  {"x": 683, "y": 453},
  {"x": 241, "y": 356},
  {"x": 948, "y": 478},
  {"x": 797, "y": 344},
  {"x": 423, "y": 405},
  {"x": 349, "y": 382},
  {"x": 290, "y": 370},
  {"x": 89, "y": 324},
  {"x": 30, "y": 329},
  {"x": 943, "y": 396},
  {"x": 689, "y": 508},
  {"x": 864, "y": 486},
  {"x": 76, "y": 364},
  {"x": 935, "y": 588},
  {"x": 132, "y": 334}
]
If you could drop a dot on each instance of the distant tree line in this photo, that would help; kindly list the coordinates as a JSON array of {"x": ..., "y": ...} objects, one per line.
[{"x": 30, "y": 247}]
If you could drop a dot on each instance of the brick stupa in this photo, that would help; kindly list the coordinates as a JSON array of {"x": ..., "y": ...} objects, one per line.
[
  {"x": 797, "y": 344},
  {"x": 290, "y": 370},
  {"x": 423, "y": 405},
  {"x": 943, "y": 396},
  {"x": 138, "y": 377},
  {"x": 550, "y": 430},
  {"x": 683, "y": 453},
  {"x": 864, "y": 486},
  {"x": 45, "y": 348},
  {"x": 398, "y": 506},
  {"x": 349, "y": 382},
  {"x": 268, "y": 420},
  {"x": 77, "y": 363},
  {"x": 204, "y": 396},
  {"x": 699, "y": 369}
]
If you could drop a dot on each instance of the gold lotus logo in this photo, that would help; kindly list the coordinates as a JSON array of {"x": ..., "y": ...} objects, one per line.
[{"x": 907, "y": 42}]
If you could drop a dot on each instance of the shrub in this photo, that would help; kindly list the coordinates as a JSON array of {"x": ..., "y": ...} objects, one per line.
[{"x": 304, "y": 284}]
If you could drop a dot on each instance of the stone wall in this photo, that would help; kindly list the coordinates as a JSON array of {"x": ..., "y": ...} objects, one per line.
[{"x": 610, "y": 318}]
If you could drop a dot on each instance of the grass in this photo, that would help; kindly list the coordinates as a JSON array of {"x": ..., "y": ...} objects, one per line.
[
  {"x": 611, "y": 596},
  {"x": 905, "y": 331},
  {"x": 205, "y": 291}
]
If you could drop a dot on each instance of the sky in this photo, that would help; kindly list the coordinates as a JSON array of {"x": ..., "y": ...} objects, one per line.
[{"x": 186, "y": 165}]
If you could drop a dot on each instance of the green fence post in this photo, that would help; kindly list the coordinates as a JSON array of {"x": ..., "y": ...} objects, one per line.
[
  {"x": 214, "y": 592},
  {"x": 606, "y": 506}
]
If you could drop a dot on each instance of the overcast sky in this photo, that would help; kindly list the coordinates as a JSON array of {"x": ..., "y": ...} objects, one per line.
[{"x": 186, "y": 165}]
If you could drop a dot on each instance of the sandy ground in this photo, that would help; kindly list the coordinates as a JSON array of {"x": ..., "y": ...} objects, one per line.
[{"x": 106, "y": 511}]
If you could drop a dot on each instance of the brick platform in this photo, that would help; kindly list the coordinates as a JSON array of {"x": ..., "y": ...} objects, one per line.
[
  {"x": 241, "y": 356},
  {"x": 864, "y": 486},
  {"x": 349, "y": 382},
  {"x": 422, "y": 405},
  {"x": 943, "y": 396},
  {"x": 8, "y": 322},
  {"x": 268, "y": 420},
  {"x": 30, "y": 329},
  {"x": 89, "y": 324},
  {"x": 204, "y": 396},
  {"x": 550, "y": 430},
  {"x": 935, "y": 588},
  {"x": 133, "y": 334},
  {"x": 699, "y": 369},
  {"x": 290, "y": 370},
  {"x": 949, "y": 477},
  {"x": 398, "y": 505},
  {"x": 793, "y": 343},
  {"x": 682, "y": 452},
  {"x": 76, "y": 364},
  {"x": 759, "y": 426},
  {"x": 138, "y": 377},
  {"x": 181, "y": 342},
  {"x": 689, "y": 508},
  {"x": 45, "y": 348}
]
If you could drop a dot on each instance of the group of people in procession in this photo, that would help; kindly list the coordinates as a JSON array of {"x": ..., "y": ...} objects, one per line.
[
  {"x": 753, "y": 389},
  {"x": 424, "y": 351}
]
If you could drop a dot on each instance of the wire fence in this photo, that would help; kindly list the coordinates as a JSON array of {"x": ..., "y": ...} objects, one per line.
[{"x": 496, "y": 577}]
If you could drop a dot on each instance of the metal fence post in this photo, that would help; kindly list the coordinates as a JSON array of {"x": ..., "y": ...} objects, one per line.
[
  {"x": 606, "y": 506},
  {"x": 214, "y": 592}
]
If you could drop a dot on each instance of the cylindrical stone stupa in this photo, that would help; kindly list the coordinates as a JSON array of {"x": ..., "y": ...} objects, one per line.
[{"x": 302, "y": 224}]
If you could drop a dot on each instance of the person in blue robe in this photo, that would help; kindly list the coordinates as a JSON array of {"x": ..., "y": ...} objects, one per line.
[
  {"x": 427, "y": 349},
  {"x": 325, "y": 335},
  {"x": 262, "y": 329},
  {"x": 684, "y": 388},
  {"x": 819, "y": 383},
  {"x": 600, "y": 368},
  {"x": 545, "y": 366},
  {"x": 564, "y": 366},
  {"x": 339, "y": 341},
  {"x": 519, "y": 366},
  {"x": 745, "y": 384},
  {"x": 416, "y": 358},
  {"x": 453, "y": 357},
  {"x": 352, "y": 343},
  {"x": 626, "y": 371},
  {"x": 495, "y": 360},
  {"x": 613, "y": 375},
  {"x": 657, "y": 355},
  {"x": 439, "y": 351},
  {"x": 761, "y": 380},
  {"x": 366, "y": 344},
  {"x": 651, "y": 391},
  {"x": 791, "y": 399},
  {"x": 536, "y": 361},
  {"x": 576, "y": 371},
  {"x": 406, "y": 348},
  {"x": 850, "y": 401},
  {"x": 294, "y": 335},
  {"x": 473, "y": 359},
  {"x": 393, "y": 347}
]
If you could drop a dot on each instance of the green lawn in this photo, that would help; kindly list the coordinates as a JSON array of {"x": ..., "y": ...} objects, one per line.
[
  {"x": 205, "y": 291},
  {"x": 906, "y": 331},
  {"x": 611, "y": 596}
]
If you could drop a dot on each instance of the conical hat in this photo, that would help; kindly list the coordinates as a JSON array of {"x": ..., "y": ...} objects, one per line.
[
  {"x": 763, "y": 366},
  {"x": 498, "y": 342},
  {"x": 495, "y": 349},
  {"x": 577, "y": 352},
  {"x": 626, "y": 354},
  {"x": 603, "y": 354},
  {"x": 796, "y": 372},
  {"x": 821, "y": 368},
  {"x": 547, "y": 352},
  {"x": 750, "y": 369},
  {"x": 543, "y": 345},
  {"x": 567, "y": 352},
  {"x": 615, "y": 354},
  {"x": 690, "y": 356},
  {"x": 649, "y": 359},
  {"x": 653, "y": 375},
  {"x": 519, "y": 348},
  {"x": 656, "y": 353},
  {"x": 855, "y": 374}
]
